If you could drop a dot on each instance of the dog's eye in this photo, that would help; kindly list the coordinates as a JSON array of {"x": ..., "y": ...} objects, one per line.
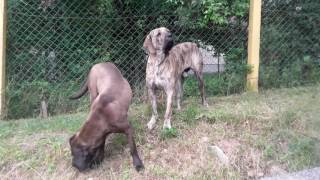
[{"x": 158, "y": 34}]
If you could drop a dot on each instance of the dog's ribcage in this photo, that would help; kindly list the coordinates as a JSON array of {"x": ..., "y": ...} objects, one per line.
[{"x": 180, "y": 57}]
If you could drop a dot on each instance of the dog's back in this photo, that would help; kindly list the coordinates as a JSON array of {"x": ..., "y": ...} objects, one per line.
[
  {"x": 188, "y": 54},
  {"x": 106, "y": 79}
]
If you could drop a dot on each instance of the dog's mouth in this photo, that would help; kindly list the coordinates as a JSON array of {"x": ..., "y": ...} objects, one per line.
[
  {"x": 168, "y": 43},
  {"x": 146, "y": 53}
]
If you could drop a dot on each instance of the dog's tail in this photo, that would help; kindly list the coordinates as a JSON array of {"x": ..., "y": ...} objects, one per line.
[{"x": 83, "y": 90}]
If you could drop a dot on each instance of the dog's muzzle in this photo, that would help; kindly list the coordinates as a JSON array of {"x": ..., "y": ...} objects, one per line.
[
  {"x": 168, "y": 43},
  {"x": 145, "y": 52}
]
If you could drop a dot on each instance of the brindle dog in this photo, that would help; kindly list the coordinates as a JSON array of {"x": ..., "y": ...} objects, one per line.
[
  {"x": 110, "y": 96},
  {"x": 165, "y": 67}
]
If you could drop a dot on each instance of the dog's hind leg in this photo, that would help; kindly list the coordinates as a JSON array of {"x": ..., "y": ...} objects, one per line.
[
  {"x": 179, "y": 92},
  {"x": 154, "y": 117},
  {"x": 133, "y": 149},
  {"x": 201, "y": 87}
]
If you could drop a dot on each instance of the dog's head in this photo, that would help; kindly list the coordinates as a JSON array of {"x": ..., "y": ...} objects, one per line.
[
  {"x": 158, "y": 40},
  {"x": 84, "y": 156}
]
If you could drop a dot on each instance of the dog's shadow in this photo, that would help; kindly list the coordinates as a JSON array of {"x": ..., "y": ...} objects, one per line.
[
  {"x": 114, "y": 148},
  {"x": 115, "y": 144}
]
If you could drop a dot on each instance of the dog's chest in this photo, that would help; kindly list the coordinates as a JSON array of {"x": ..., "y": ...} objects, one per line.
[{"x": 156, "y": 76}]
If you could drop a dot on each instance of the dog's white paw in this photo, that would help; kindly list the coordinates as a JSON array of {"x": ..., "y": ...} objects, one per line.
[
  {"x": 205, "y": 104},
  {"x": 151, "y": 124},
  {"x": 167, "y": 124}
]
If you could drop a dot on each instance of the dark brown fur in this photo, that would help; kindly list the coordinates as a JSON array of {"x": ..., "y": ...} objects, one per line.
[{"x": 110, "y": 96}]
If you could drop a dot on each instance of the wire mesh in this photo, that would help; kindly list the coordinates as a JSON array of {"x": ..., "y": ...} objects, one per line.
[
  {"x": 289, "y": 43},
  {"x": 53, "y": 43}
]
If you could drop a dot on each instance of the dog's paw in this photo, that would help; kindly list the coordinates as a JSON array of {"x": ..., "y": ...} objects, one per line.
[
  {"x": 151, "y": 124},
  {"x": 167, "y": 125},
  {"x": 205, "y": 104}
]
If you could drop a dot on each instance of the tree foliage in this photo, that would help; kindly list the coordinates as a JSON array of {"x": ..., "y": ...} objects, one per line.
[
  {"x": 208, "y": 12},
  {"x": 290, "y": 43}
]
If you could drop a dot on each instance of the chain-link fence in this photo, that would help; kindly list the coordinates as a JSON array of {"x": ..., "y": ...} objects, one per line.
[
  {"x": 290, "y": 43},
  {"x": 53, "y": 43}
]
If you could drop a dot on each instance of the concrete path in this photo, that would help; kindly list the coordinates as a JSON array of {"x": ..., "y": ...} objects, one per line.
[{"x": 309, "y": 174}]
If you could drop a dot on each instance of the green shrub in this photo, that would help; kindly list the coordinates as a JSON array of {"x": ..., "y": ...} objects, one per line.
[
  {"x": 169, "y": 133},
  {"x": 232, "y": 80},
  {"x": 24, "y": 100},
  {"x": 289, "y": 49},
  {"x": 188, "y": 114}
]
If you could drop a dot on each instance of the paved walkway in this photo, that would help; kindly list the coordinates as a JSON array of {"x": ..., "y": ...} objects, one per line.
[{"x": 309, "y": 174}]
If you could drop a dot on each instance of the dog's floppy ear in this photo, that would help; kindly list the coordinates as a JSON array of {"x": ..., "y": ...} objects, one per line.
[
  {"x": 148, "y": 46},
  {"x": 71, "y": 138}
]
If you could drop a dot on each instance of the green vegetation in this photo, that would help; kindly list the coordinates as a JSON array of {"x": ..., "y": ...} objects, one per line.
[
  {"x": 289, "y": 51},
  {"x": 52, "y": 45},
  {"x": 169, "y": 133},
  {"x": 232, "y": 80},
  {"x": 275, "y": 127}
]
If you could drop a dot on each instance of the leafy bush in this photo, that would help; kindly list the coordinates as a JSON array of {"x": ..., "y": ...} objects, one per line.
[
  {"x": 289, "y": 43},
  {"x": 24, "y": 100},
  {"x": 169, "y": 133},
  {"x": 232, "y": 80}
]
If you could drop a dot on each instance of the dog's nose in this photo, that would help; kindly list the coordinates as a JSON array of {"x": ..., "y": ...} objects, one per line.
[{"x": 80, "y": 166}]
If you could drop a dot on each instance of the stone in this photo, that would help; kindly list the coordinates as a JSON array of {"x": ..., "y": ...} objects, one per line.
[
  {"x": 204, "y": 139},
  {"x": 276, "y": 170},
  {"x": 216, "y": 151},
  {"x": 308, "y": 174}
]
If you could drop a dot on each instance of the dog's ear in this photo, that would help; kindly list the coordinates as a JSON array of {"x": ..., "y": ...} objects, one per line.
[
  {"x": 71, "y": 138},
  {"x": 148, "y": 46}
]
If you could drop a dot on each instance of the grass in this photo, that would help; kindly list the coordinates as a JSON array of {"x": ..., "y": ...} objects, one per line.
[
  {"x": 256, "y": 131},
  {"x": 169, "y": 133}
]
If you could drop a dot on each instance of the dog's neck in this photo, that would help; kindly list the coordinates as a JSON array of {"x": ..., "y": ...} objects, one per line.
[
  {"x": 92, "y": 133},
  {"x": 156, "y": 61},
  {"x": 160, "y": 57}
]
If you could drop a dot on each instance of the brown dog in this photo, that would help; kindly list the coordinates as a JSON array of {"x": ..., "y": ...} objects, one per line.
[
  {"x": 110, "y": 96},
  {"x": 165, "y": 67}
]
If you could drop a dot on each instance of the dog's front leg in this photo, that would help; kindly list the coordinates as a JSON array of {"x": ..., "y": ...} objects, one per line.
[
  {"x": 154, "y": 117},
  {"x": 167, "y": 117},
  {"x": 133, "y": 149},
  {"x": 179, "y": 92}
]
